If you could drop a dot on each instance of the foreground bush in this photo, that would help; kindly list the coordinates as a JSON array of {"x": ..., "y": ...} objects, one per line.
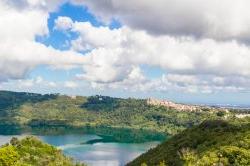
[{"x": 32, "y": 152}]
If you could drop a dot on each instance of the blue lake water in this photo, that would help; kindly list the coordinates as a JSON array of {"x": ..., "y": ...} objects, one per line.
[{"x": 97, "y": 149}]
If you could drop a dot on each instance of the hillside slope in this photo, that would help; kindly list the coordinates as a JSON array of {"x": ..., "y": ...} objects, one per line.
[
  {"x": 57, "y": 110},
  {"x": 211, "y": 143},
  {"x": 31, "y": 151}
]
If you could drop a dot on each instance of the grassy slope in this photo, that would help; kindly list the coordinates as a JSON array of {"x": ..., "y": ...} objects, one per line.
[
  {"x": 212, "y": 142},
  {"x": 35, "y": 110},
  {"x": 31, "y": 151}
]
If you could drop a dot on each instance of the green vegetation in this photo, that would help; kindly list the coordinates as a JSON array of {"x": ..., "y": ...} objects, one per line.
[
  {"x": 200, "y": 138},
  {"x": 11, "y": 100},
  {"x": 28, "y": 109},
  {"x": 210, "y": 143},
  {"x": 31, "y": 151}
]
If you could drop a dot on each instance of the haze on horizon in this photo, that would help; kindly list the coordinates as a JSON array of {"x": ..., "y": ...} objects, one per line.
[{"x": 187, "y": 51}]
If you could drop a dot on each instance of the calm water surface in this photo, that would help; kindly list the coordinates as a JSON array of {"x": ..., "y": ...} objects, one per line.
[{"x": 95, "y": 147}]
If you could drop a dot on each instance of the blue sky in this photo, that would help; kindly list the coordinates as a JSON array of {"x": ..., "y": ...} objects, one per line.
[
  {"x": 127, "y": 50},
  {"x": 58, "y": 39}
]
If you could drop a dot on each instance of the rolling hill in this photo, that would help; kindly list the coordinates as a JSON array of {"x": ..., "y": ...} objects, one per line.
[
  {"x": 210, "y": 143},
  {"x": 31, "y": 151},
  {"x": 29, "y": 109}
]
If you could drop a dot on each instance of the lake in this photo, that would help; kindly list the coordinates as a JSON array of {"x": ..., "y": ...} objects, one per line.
[{"x": 99, "y": 146}]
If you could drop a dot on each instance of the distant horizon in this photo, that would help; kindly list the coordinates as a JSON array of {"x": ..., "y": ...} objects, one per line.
[{"x": 225, "y": 105}]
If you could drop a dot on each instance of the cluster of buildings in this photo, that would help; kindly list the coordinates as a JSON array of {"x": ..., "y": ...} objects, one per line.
[{"x": 172, "y": 105}]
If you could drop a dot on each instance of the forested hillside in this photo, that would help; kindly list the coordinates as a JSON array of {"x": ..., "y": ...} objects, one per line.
[
  {"x": 31, "y": 151},
  {"x": 59, "y": 110},
  {"x": 211, "y": 143}
]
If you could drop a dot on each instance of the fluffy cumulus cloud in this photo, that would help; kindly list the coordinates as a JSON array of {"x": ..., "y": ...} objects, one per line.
[
  {"x": 20, "y": 23},
  {"x": 29, "y": 84},
  {"x": 180, "y": 84},
  {"x": 115, "y": 54},
  {"x": 38, "y": 81},
  {"x": 202, "y": 46}
]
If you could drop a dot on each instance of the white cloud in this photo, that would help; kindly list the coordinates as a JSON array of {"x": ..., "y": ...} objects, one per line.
[
  {"x": 177, "y": 84},
  {"x": 52, "y": 84},
  {"x": 25, "y": 83},
  {"x": 115, "y": 53},
  {"x": 31, "y": 83},
  {"x": 63, "y": 23},
  {"x": 201, "y": 45},
  {"x": 224, "y": 19},
  {"x": 92, "y": 37},
  {"x": 70, "y": 84},
  {"x": 20, "y": 23}
]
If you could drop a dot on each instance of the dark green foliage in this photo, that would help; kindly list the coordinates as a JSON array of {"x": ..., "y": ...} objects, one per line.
[
  {"x": 13, "y": 100},
  {"x": 221, "y": 113},
  {"x": 100, "y": 103},
  {"x": 31, "y": 151},
  {"x": 211, "y": 143},
  {"x": 58, "y": 110}
]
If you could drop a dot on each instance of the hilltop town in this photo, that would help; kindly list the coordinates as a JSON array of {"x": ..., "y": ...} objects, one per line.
[
  {"x": 182, "y": 107},
  {"x": 172, "y": 105}
]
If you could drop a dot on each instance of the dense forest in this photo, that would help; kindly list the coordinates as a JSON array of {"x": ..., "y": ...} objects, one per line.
[
  {"x": 31, "y": 109},
  {"x": 31, "y": 151},
  {"x": 210, "y": 143}
]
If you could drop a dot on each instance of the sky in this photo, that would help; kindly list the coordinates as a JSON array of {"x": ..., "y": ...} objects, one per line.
[{"x": 188, "y": 51}]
